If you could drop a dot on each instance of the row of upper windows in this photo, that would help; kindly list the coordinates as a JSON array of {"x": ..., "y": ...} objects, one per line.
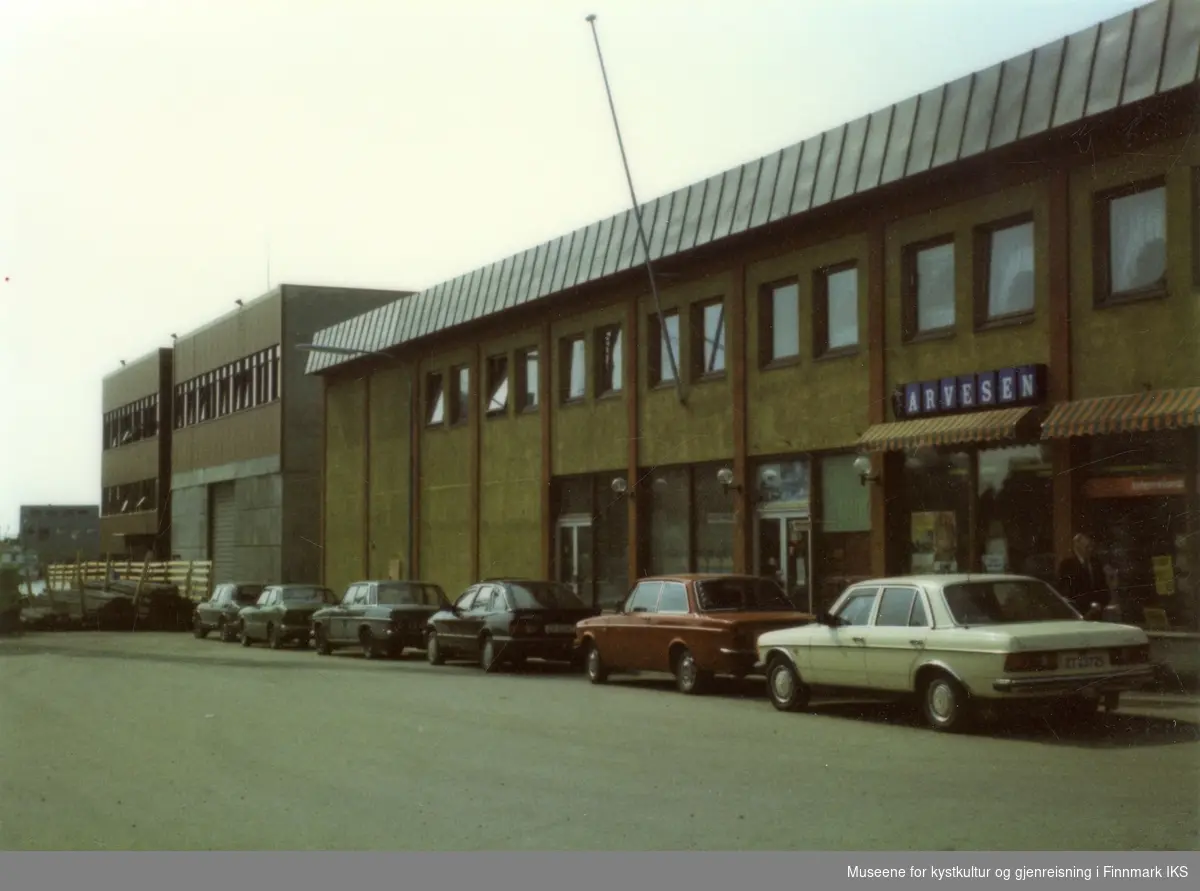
[
  {"x": 235, "y": 386},
  {"x": 1131, "y": 263},
  {"x": 131, "y": 423},
  {"x": 129, "y": 498}
]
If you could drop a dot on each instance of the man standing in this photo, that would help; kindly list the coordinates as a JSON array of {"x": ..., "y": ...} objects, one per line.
[{"x": 1081, "y": 578}]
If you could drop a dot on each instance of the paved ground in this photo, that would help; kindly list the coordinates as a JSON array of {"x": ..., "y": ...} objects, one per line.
[{"x": 160, "y": 741}]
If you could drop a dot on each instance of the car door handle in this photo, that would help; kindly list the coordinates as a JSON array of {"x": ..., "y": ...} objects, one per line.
[
  {"x": 859, "y": 640},
  {"x": 917, "y": 643}
]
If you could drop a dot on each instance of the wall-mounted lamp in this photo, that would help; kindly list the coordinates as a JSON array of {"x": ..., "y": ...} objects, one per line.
[
  {"x": 620, "y": 485},
  {"x": 862, "y": 466},
  {"x": 725, "y": 478}
]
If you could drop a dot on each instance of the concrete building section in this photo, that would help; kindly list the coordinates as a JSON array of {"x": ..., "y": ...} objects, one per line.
[
  {"x": 135, "y": 464},
  {"x": 60, "y": 533},
  {"x": 1049, "y": 285},
  {"x": 248, "y": 432}
]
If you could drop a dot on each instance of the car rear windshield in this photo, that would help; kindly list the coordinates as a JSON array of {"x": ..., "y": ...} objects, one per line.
[
  {"x": 994, "y": 603},
  {"x": 739, "y": 595},
  {"x": 544, "y": 595},
  {"x": 407, "y": 594},
  {"x": 248, "y": 595},
  {"x": 309, "y": 595}
]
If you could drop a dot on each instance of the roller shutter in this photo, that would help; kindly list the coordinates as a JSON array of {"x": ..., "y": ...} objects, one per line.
[{"x": 222, "y": 519}]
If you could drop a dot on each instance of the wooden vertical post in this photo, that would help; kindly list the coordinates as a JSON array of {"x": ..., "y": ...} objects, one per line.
[
  {"x": 885, "y": 480},
  {"x": 546, "y": 409},
  {"x": 738, "y": 349},
  {"x": 476, "y": 390},
  {"x": 633, "y": 398},
  {"x": 1061, "y": 384}
]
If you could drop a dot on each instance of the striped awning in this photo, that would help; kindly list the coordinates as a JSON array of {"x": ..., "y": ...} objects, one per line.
[
  {"x": 1135, "y": 413},
  {"x": 979, "y": 426}
]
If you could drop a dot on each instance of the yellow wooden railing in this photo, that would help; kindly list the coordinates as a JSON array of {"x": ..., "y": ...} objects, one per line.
[{"x": 191, "y": 577}]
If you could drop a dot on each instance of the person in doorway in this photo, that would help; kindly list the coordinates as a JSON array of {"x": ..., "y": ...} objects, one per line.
[{"x": 1081, "y": 578}]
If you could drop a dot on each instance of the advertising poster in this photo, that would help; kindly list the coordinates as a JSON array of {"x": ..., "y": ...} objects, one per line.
[
  {"x": 1164, "y": 575},
  {"x": 934, "y": 540}
]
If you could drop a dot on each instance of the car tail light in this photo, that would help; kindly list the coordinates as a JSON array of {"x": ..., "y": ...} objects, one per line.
[
  {"x": 1044, "y": 661},
  {"x": 1138, "y": 655},
  {"x": 519, "y": 627}
]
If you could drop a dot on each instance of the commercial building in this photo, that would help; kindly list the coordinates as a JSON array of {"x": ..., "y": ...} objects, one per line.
[
  {"x": 59, "y": 533},
  {"x": 245, "y": 454},
  {"x": 946, "y": 335},
  {"x": 135, "y": 461}
]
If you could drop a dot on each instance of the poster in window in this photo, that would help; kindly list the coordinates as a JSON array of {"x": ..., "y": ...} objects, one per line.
[
  {"x": 934, "y": 540},
  {"x": 1164, "y": 575}
]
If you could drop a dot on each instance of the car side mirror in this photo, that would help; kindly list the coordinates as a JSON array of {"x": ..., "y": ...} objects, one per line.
[{"x": 828, "y": 619}]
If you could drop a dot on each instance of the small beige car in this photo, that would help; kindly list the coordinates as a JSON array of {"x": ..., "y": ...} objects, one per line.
[{"x": 956, "y": 642}]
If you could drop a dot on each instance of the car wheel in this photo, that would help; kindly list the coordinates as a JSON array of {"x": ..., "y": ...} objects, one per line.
[
  {"x": 1077, "y": 710},
  {"x": 433, "y": 650},
  {"x": 322, "y": 643},
  {"x": 367, "y": 641},
  {"x": 689, "y": 679},
  {"x": 245, "y": 636},
  {"x": 198, "y": 630},
  {"x": 488, "y": 660},
  {"x": 945, "y": 704},
  {"x": 597, "y": 671},
  {"x": 273, "y": 640},
  {"x": 788, "y": 693}
]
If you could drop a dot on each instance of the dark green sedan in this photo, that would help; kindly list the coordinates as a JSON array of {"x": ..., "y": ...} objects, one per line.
[{"x": 283, "y": 614}]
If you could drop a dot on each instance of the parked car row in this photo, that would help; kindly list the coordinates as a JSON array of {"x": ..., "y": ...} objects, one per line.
[{"x": 960, "y": 645}]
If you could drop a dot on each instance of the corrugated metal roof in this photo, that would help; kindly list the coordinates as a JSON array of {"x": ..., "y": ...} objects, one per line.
[{"x": 1150, "y": 50}]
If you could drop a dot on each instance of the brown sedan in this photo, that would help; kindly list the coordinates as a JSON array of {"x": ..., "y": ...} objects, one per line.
[{"x": 694, "y": 626}]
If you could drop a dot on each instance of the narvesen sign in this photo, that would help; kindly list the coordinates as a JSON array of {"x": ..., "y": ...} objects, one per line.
[{"x": 1002, "y": 388}]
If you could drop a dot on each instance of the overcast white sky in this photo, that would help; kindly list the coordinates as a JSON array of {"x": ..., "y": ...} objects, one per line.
[{"x": 150, "y": 151}]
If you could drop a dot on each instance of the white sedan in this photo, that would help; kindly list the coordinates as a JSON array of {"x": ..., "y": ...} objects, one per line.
[{"x": 956, "y": 642}]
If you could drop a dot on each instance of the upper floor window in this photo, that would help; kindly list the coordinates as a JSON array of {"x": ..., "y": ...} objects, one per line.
[
  {"x": 1004, "y": 282},
  {"x": 780, "y": 329},
  {"x": 573, "y": 386},
  {"x": 664, "y": 337},
  {"x": 835, "y": 308},
  {"x": 928, "y": 297},
  {"x": 497, "y": 385},
  {"x": 608, "y": 360},
  {"x": 1131, "y": 242},
  {"x": 708, "y": 326},
  {"x": 460, "y": 397},
  {"x": 435, "y": 399},
  {"x": 527, "y": 369}
]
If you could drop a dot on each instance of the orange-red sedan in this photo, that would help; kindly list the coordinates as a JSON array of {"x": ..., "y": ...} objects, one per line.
[{"x": 694, "y": 626}]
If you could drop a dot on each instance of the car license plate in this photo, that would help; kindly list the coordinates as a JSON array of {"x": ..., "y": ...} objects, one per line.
[
  {"x": 560, "y": 629},
  {"x": 1076, "y": 661}
]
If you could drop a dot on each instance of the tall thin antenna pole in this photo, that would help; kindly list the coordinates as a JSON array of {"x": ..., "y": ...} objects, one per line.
[{"x": 637, "y": 215}]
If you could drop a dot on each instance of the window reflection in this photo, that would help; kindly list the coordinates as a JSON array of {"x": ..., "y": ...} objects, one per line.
[
  {"x": 1015, "y": 526},
  {"x": 1010, "y": 271}
]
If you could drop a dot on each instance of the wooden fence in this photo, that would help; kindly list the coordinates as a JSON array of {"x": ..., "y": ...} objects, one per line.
[{"x": 191, "y": 577}]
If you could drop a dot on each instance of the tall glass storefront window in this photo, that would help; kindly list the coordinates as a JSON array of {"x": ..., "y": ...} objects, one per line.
[
  {"x": 689, "y": 521},
  {"x": 938, "y": 488},
  {"x": 591, "y": 538},
  {"x": 669, "y": 535},
  {"x": 843, "y": 541},
  {"x": 1014, "y": 528},
  {"x": 712, "y": 519},
  {"x": 1139, "y": 500}
]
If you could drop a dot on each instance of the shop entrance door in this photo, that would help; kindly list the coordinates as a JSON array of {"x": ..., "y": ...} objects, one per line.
[
  {"x": 575, "y": 554},
  {"x": 783, "y": 551}
]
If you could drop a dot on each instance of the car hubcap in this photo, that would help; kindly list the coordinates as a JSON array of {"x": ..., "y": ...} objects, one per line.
[
  {"x": 593, "y": 662},
  {"x": 487, "y": 653},
  {"x": 433, "y": 647},
  {"x": 941, "y": 701},
  {"x": 687, "y": 671},
  {"x": 782, "y": 685}
]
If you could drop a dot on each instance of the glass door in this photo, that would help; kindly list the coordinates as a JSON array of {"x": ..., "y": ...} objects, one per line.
[
  {"x": 784, "y": 552},
  {"x": 575, "y": 555}
]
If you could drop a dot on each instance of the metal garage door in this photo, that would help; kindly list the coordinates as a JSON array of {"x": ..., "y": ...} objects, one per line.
[{"x": 222, "y": 532}]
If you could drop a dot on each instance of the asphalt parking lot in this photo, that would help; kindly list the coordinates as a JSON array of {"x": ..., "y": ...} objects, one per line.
[{"x": 160, "y": 741}]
